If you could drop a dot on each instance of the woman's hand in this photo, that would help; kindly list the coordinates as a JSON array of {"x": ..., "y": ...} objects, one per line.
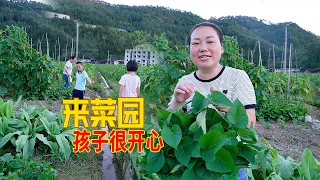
[{"x": 183, "y": 92}]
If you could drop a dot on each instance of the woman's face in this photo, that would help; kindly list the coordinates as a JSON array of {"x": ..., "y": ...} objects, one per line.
[{"x": 205, "y": 47}]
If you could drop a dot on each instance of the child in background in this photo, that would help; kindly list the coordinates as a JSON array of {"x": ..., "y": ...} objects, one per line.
[
  {"x": 67, "y": 71},
  {"x": 81, "y": 79},
  {"x": 130, "y": 83}
]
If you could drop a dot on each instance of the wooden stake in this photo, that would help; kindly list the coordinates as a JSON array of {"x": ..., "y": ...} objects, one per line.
[
  {"x": 66, "y": 50},
  {"x": 59, "y": 49},
  {"x": 288, "y": 90},
  {"x": 47, "y": 44},
  {"x": 260, "y": 60},
  {"x": 285, "y": 51}
]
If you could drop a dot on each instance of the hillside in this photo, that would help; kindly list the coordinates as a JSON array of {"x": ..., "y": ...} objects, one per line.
[{"x": 120, "y": 27}]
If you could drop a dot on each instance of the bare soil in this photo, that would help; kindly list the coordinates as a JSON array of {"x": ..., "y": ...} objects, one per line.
[{"x": 291, "y": 139}]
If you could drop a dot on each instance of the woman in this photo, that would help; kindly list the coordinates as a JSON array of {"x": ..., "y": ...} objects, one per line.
[{"x": 206, "y": 48}]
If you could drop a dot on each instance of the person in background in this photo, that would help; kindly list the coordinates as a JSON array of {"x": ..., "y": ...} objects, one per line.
[
  {"x": 130, "y": 83},
  {"x": 81, "y": 80},
  {"x": 67, "y": 71}
]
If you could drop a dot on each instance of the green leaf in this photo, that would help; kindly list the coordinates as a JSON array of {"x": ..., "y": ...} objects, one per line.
[
  {"x": 197, "y": 135},
  {"x": 222, "y": 163},
  {"x": 51, "y": 117},
  {"x": 6, "y": 157},
  {"x": 201, "y": 121},
  {"x": 186, "y": 120},
  {"x": 232, "y": 176},
  {"x": 285, "y": 166},
  {"x": 309, "y": 168},
  {"x": 273, "y": 176},
  {"x": 219, "y": 99},
  {"x": 247, "y": 135},
  {"x": 64, "y": 145},
  {"x": 203, "y": 173},
  {"x": 15, "y": 164},
  {"x": 192, "y": 163},
  {"x": 172, "y": 136},
  {"x": 27, "y": 174},
  {"x": 155, "y": 161},
  {"x": 3, "y": 90},
  {"x": 7, "y": 137},
  {"x": 237, "y": 115},
  {"x": 189, "y": 175},
  {"x": 176, "y": 168},
  {"x": 162, "y": 116},
  {"x": 196, "y": 151},
  {"x": 218, "y": 127},
  {"x": 262, "y": 159},
  {"x": 199, "y": 103},
  {"x": 21, "y": 141},
  {"x": 171, "y": 177},
  {"x": 247, "y": 153},
  {"x": 213, "y": 117},
  {"x": 211, "y": 143},
  {"x": 44, "y": 140},
  {"x": 28, "y": 148},
  {"x": 184, "y": 151},
  {"x": 194, "y": 127}
]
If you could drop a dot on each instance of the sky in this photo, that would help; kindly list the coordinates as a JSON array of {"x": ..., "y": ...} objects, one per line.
[{"x": 305, "y": 13}]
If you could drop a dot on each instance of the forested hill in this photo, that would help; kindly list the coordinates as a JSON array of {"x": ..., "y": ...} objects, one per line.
[{"x": 120, "y": 27}]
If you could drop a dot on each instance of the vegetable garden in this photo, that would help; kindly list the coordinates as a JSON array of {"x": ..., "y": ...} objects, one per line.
[{"x": 200, "y": 144}]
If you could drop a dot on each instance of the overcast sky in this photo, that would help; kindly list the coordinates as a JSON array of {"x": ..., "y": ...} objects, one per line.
[{"x": 305, "y": 13}]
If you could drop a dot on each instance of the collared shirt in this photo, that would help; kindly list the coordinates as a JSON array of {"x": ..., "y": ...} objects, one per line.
[{"x": 81, "y": 80}]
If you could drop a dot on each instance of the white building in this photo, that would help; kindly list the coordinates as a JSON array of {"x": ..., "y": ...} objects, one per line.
[
  {"x": 118, "y": 62},
  {"x": 49, "y": 14},
  {"x": 143, "y": 54}
]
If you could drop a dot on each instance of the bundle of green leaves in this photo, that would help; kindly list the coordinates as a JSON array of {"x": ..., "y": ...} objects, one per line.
[{"x": 202, "y": 143}]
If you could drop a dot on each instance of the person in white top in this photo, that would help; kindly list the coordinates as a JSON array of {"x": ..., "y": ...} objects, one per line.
[
  {"x": 205, "y": 42},
  {"x": 67, "y": 71},
  {"x": 130, "y": 83}
]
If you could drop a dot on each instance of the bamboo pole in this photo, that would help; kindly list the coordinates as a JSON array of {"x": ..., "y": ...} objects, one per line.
[
  {"x": 268, "y": 59},
  {"x": 58, "y": 49},
  {"x": 280, "y": 77},
  {"x": 55, "y": 50},
  {"x": 66, "y": 50},
  {"x": 260, "y": 60},
  {"x": 274, "y": 68},
  {"x": 290, "y": 60},
  {"x": 297, "y": 80},
  {"x": 285, "y": 50},
  {"x": 38, "y": 45},
  {"x": 72, "y": 50},
  {"x": 47, "y": 44},
  {"x": 77, "y": 44}
]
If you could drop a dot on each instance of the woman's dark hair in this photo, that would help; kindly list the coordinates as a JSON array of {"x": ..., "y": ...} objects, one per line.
[
  {"x": 215, "y": 27},
  {"x": 72, "y": 57},
  {"x": 132, "y": 65}
]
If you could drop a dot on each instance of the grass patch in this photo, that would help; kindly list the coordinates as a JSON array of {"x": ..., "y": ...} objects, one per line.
[{"x": 85, "y": 166}]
